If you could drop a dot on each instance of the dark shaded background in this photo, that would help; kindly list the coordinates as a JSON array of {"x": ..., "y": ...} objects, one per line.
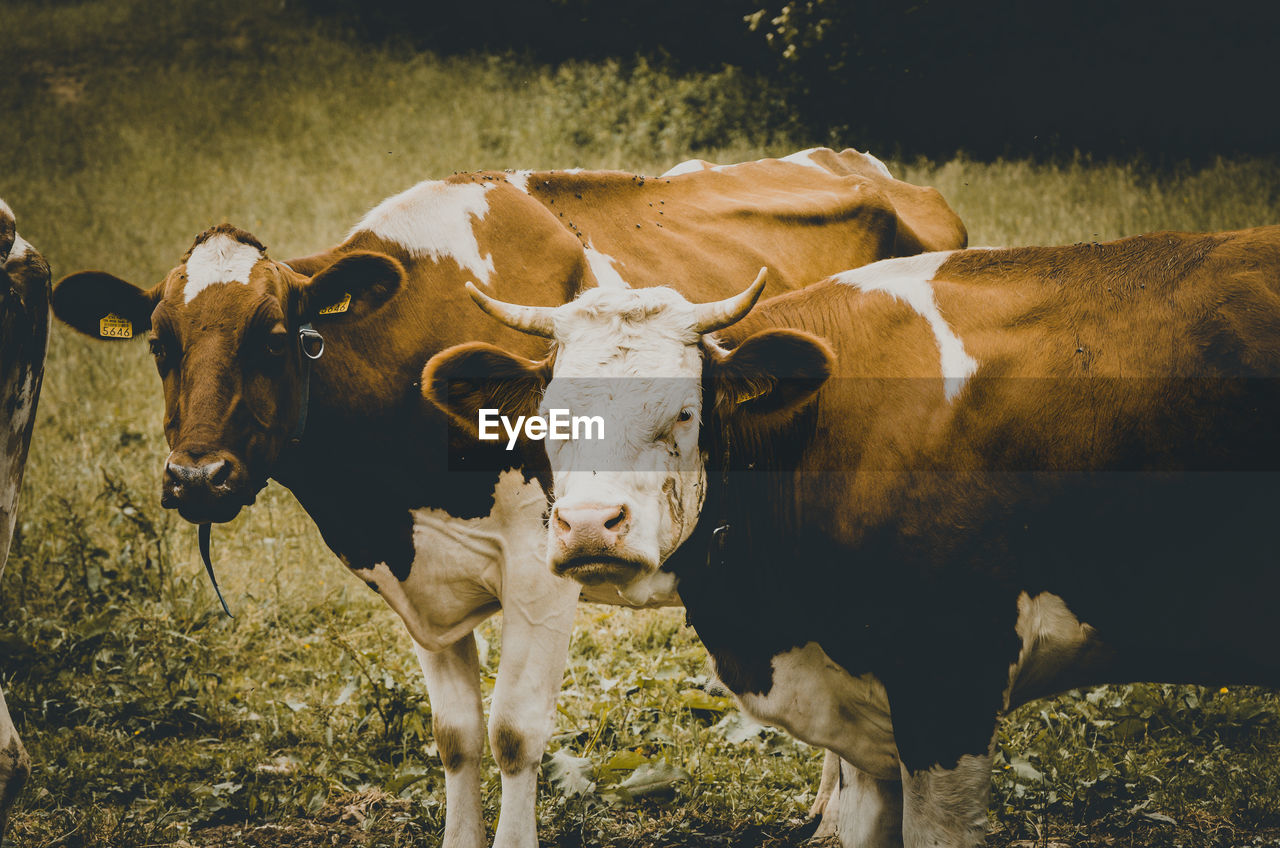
[{"x": 990, "y": 77}]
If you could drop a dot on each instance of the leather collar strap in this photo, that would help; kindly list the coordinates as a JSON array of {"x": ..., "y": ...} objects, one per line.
[
  {"x": 310, "y": 348},
  {"x": 717, "y": 548}
]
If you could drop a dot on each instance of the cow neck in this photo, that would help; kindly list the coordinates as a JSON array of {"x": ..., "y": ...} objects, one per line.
[
  {"x": 717, "y": 570},
  {"x": 374, "y": 450}
]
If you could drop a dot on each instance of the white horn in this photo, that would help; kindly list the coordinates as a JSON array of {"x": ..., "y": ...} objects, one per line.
[
  {"x": 720, "y": 314},
  {"x": 534, "y": 320}
]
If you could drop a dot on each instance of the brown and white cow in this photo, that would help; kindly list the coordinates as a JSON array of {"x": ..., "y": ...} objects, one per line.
[
  {"x": 449, "y": 529},
  {"x": 24, "y": 334},
  {"x": 900, "y": 502}
]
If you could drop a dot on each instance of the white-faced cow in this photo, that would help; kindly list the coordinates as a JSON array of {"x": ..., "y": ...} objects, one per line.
[
  {"x": 24, "y": 332},
  {"x": 900, "y": 502},
  {"x": 447, "y": 528}
]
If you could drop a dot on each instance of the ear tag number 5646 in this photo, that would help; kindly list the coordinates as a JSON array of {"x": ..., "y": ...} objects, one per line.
[
  {"x": 112, "y": 326},
  {"x": 341, "y": 306}
]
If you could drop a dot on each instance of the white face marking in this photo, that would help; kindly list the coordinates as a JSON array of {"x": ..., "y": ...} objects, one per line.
[
  {"x": 908, "y": 279},
  {"x": 631, "y": 356},
  {"x": 520, "y": 179},
  {"x": 689, "y": 166},
  {"x": 819, "y": 702},
  {"x": 219, "y": 259},
  {"x": 604, "y": 267},
  {"x": 435, "y": 219}
]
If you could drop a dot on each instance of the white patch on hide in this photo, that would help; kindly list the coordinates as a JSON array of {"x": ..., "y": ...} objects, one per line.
[
  {"x": 604, "y": 267},
  {"x": 1053, "y": 639},
  {"x": 909, "y": 279},
  {"x": 435, "y": 219},
  {"x": 819, "y": 702},
  {"x": 689, "y": 166},
  {"x": 519, "y": 179},
  {"x": 947, "y": 806},
  {"x": 458, "y": 565},
  {"x": 804, "y": 157}
]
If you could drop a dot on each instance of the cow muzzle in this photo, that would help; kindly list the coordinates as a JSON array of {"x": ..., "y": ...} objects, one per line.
[
  {"x": 589, "y": 542},
  {"x": 205, "y": 487}
]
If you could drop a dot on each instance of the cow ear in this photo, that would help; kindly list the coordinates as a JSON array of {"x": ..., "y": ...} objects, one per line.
[
  {"x": 104, "y": 306},
  {"x": 773, "y": 372},
  {"x": 357, "y": 283},
  {"x": 466, "y": 378}
]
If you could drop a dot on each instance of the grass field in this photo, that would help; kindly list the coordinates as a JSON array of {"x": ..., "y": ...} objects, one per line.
[{"x": 128, "y": 127}]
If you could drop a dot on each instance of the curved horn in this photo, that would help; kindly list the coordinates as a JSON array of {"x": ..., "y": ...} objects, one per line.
[
  {"x": 534, "y": 320},
  {"x": 721, "y": 313}
]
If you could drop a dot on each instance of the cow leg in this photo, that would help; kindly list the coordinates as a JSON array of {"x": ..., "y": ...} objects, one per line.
[
  {"x": 827, "y": 803},
  {"x": 537, "y": 622},
  {"x": 15, "y": 765},
  {"x": 870, "y": 810},
  {"x": 946, "y": 807},
  {"x": 457, "y": 720}
]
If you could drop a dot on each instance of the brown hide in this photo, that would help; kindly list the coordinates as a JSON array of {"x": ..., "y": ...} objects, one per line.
[
  {"x": 1116, "y": 447},
  {"x": 374, "y": 448}
]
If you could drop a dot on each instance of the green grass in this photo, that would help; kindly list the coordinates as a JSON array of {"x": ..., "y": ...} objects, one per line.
[{"x": 131, "y": 126}]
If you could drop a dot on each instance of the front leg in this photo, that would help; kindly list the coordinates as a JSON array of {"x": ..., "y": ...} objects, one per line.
[
  {"x": 15, "y": 765},
  {"x": 457, "y": 720},
  {"x": 870, "y": 810},
  {"x": 947, "y": 807},
  {"x": 537, "y": 622},
  {"x": 826, "y": 805}
]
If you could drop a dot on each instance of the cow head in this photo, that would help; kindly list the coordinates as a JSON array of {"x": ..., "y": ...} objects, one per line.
[
  {"x": 223, "y": 327},
  {"x": 644, "y": 362}
]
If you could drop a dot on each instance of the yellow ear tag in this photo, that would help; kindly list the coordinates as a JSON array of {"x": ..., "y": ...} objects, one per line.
[
  {"x": 341, "y": 306},
  {"x": 112, "y": 326}
]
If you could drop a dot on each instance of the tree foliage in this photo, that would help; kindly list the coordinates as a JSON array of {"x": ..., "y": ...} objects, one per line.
[{"x": 990, "y": 77}]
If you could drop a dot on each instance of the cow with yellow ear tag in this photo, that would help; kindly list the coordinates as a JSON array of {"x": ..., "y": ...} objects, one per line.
[{"x": 306, "y": 371}]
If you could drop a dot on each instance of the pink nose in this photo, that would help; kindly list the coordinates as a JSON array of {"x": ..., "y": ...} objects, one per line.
[{"x": 591, "y": 527}]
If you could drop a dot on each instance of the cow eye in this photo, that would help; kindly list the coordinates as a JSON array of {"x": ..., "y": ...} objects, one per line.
[
  {"x": 159, "y": 350},
  {"x": 276, "y": 342},
  {"x": 685, "y": 415}
]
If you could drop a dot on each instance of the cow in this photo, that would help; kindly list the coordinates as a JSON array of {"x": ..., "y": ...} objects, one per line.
[
  {"x": 306, "y": 371},
  {"x": 903, "y": 501},
  {"x": 24, "y": 334}
]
